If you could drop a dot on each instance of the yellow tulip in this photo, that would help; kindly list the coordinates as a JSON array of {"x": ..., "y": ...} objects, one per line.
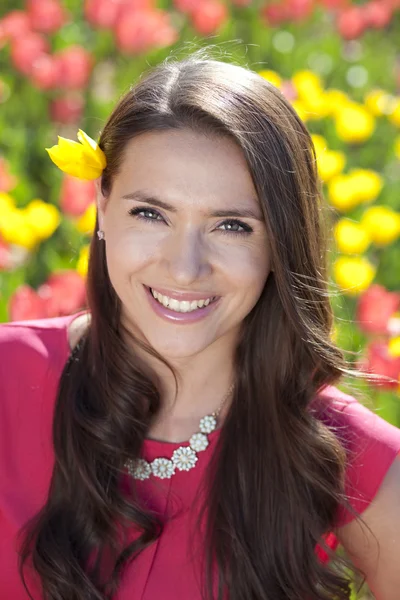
[
  {"x": 6, "y": 204},
  {"x": 335, "y": 100},
  {"x": 86, "y": 223},
  {"x": 307, "y": 83},
  {"x": 351, "y": 238},
  {"x": 85, "y": 160},
  {"x": 319, "y": 142},
  {"x": 382, "y": 224},
  {"x": 16, "y": 229},
  {"x": 342, "y": 194},
  {"x": 354, "y": 123},
  {"x": 300, "y": 109},
  {"x": 43, "y": 217},
  {"x": 368, "y": 184},
  {"x": 82, "y": 264},
  {"x": 272, "y": 77},
  {"x": 379, "y": 102},
  {"x": 330, "y": 163},
  {"x": 353, "y": 274},
  {"x": 394, "y": 116},
  {"x": 394, "y": 347}
]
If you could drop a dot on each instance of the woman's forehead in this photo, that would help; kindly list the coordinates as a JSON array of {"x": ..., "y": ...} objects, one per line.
[{"x": 181, "y": 163}]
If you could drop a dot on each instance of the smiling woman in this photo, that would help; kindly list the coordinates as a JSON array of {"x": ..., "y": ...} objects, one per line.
[{"x": 188, "y": 441}]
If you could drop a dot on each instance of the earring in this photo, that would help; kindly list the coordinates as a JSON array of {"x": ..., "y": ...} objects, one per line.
[{"x": 100, "y": 234}]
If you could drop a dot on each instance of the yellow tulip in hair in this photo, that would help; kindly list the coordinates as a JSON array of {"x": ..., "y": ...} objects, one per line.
[{"x": 85, "y": 160}]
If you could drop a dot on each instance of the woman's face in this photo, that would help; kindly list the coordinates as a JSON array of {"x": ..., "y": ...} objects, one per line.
[{"x": 183, "y": 220}]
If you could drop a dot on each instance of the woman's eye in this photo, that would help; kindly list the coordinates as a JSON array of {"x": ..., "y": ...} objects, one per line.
[
  {"x": 236, "y": 227},
  {"x": 147, "y": 214}
]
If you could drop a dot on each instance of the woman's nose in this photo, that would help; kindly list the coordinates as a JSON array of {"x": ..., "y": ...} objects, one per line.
[{"x": 187, "y": 258}]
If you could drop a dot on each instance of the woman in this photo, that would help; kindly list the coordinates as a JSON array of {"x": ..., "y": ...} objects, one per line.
[{"x": 188, "y": 441}]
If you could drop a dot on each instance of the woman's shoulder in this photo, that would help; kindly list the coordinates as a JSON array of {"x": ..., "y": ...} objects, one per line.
[
  {"x": 371, "y": 444},
  {"x": 28, "y": 348}
]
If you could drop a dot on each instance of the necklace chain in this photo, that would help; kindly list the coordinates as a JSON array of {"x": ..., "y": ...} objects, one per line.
[{"x": 183, "y": 458}]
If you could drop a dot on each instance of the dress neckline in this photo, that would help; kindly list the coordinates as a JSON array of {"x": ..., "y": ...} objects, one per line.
[{"x": 148, "y": 442}]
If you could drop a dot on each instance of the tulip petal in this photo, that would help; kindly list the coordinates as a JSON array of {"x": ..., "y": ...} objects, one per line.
[
  {"x": 84, "y": 160},
  {"x": 92, "y": 149}
]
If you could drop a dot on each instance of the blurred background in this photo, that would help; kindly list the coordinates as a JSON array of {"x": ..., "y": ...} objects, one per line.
[{"x": 64, "y": 64}]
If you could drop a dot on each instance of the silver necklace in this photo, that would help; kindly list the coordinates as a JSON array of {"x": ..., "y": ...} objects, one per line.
[{"x": 183, "y": 458}]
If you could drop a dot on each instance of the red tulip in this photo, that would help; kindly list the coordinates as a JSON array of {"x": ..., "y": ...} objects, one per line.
[
  {"x": 75, "y": 64},
  {"x": 67, "y": 109},
  {"x": 208, "y": 16},
  {"x": 374, "y": 309},
  {"x": 76, "y": 195},
  {"x": 45, "y": 72},
  {"x": 16, "y": 24},
  {"x": 351, "y": 23},
  {"x": 139, "y": 31},
  {"x": 377, "y": 14},
  {"x": 26, "y": 50},
  {"x": 26, "y": 304},
  {"x": 63, "y": 293},
  {"x": 7, "y": 181},
  {"x": 46, "y": 15},
  {"x": 378, "y": 360}
]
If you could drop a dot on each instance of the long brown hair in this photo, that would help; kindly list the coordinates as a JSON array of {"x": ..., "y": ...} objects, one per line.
[{"x": 279, "y": 478}]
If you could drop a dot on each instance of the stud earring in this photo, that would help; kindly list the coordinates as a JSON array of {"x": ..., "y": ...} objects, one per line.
[{"x": 100, "y": 234}]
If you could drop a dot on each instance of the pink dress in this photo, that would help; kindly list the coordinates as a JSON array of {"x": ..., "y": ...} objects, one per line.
[{"x": 32, "y": 355}]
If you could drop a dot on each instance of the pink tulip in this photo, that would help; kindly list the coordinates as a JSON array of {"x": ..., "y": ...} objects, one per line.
[
  {"x": 16, "y": 24},
  {"x": 374, "y": 309},
  {"x": 275, "y": 13},
  {"x": 299, "y": 10},
  {"x": 5, "y": 261},
  {"x": 209, "y": 16},
  {"x": 45, "y": 72},
  {"x": 76, "y": 195},
  {"x": 74, "y": 64},
  {"x": 378, "y": 361},
  {"x": 102, "y": 13},
  {"x": 63, "y": 293},
  {"x": 26, "y": 304},
  {"x": 377, "y": 14},
  {"x": 351, "y": 23},
  {"x": 138, "y": 31},
  {"x": 7, "y": 181},
  {"x": 67, "y": 109},
  {"x": 26, "y": 50},
  {"x": 46, "y": 15}
]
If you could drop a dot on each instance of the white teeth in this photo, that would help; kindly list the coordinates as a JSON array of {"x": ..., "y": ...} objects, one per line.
[
  {"x": 184, "y": 306},
  {"x": 173, "y": 304}
]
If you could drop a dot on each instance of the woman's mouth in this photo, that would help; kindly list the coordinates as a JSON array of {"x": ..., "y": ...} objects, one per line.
[
  {"x": 181, "y": 311},
  {"x": 184, "y": 306}
]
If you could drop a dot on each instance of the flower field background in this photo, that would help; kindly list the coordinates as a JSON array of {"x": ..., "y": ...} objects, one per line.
[{"x": 64, "y": 65}]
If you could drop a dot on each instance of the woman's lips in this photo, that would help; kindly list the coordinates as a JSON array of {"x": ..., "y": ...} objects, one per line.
[{"x": 180, "y": 317}]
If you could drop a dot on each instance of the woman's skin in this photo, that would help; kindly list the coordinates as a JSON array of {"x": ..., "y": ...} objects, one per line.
[{"x": 186, "y": 250}]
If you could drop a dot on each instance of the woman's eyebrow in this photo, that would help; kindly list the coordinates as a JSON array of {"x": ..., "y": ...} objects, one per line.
[{"x": 140, "y": 196}]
